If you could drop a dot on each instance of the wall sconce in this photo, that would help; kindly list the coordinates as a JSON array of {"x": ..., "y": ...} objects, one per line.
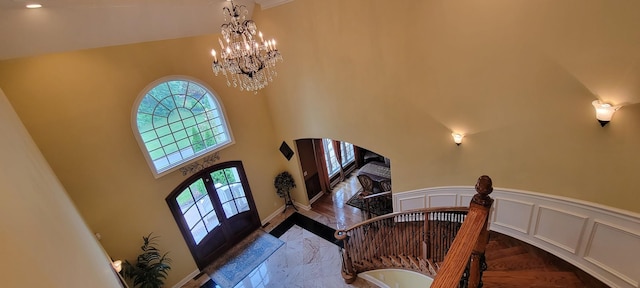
[
  {"x": 604, "y": 111},
  {"x": 457, "y": 138},
  {"x": 117, "y": 265}
]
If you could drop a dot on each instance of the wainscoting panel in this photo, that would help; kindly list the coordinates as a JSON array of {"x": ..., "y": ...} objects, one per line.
[
  {"x": 442, "y": 200},
  {"x": 608, "y": 244},
  {"x": 602, "y": 241},
  {"x": 513, "y": 214},
  {"x": 465, "y": 200},
  {"x": 550, "y": 221},
  {"x": 410, "y": 203}
]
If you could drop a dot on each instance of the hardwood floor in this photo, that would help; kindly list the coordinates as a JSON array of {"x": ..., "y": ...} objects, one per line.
[
  {"x": 511, "y": 263},
  {"x": 334, "y": 205}
]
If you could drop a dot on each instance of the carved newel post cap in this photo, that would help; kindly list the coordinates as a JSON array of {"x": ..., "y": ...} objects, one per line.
[{"x": 484, "y": 187}]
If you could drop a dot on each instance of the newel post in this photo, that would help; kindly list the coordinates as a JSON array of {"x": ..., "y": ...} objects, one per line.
[
  {"x": 481, "y": 201},
  {"x": 348, "y": 272}
]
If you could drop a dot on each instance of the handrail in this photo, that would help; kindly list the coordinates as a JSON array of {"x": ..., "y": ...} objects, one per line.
[
  {"x": 470, "y": 243},
  {"x": 369, "y": 199},
  {"x": 401, "y": 240},
  {"x": 396, "y": 214}
]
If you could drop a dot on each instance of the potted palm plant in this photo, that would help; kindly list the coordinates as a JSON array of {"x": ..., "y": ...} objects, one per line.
[{"x": 151, "y": 267}]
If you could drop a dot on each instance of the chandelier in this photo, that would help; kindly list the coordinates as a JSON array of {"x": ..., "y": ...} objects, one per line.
[{"x": 245, "y": 61}]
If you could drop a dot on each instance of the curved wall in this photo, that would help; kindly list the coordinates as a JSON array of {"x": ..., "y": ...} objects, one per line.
[
  {"x": 602, "y": 241},
  {"x": 393, "y": 278},
  {"x": 399, "y": 78}
]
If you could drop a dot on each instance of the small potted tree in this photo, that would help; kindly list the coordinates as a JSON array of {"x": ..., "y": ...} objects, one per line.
[
  {"x": 284, "y": 183},
  {"x": 151, "y": 267}
]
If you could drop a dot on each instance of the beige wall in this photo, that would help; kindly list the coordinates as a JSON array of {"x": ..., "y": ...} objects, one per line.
[
  {"x": 45, "y": 242},
  {"x": 396, "y": 77},
  {"x": 517, "y": 77},
  {"x": 77, "y": 106}
]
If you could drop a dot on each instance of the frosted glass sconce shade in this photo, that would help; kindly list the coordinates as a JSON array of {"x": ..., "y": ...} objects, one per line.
[
  {"x": 604, "y": 111},
  {"x": 117, "y": 265},
  {"x": 457, "y": 138}
]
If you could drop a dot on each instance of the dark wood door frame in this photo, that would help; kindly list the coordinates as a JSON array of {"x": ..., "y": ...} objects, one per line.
[{"x": 231, "y": 230}]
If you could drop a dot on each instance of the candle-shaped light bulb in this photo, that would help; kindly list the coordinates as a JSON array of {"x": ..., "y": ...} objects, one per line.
[
  {"x": 273, "y": 41},
  {"x": 260, "y": 34},
  {"x": 213, "y": 52}
]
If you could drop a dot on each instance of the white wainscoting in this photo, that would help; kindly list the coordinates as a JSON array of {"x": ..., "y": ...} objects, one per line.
[{"x": 602, "y": 241}]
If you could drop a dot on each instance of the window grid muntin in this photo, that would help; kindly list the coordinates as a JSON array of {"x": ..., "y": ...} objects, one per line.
[
  {"x": 190, "y": 97},
  {"x": 227, "y": 191},
  {"x": 195, "y": 212},
  {"x": 348, "y": 154},
  {"x": 331, "y": 159}
]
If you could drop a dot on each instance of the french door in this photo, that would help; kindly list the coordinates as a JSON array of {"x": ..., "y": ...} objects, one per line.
[{"x": 214, "y": 210}]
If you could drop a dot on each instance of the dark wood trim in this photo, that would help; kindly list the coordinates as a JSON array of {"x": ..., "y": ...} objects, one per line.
[{"x": 231, "y": 238}]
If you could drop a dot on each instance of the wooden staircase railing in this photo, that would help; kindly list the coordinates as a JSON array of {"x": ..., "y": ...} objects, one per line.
[
  {"x": 419, "y": 240},
  {"x": 469, "y": 245}
]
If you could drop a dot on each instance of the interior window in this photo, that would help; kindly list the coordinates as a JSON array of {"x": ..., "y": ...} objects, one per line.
[{"x": 347, "y": 155}]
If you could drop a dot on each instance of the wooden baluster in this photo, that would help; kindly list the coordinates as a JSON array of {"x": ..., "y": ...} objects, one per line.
[
  {"x": 475, "y": 263},
  {"x": 362, "y": 242},
  {"x": 425, "y": 236},
  {"x": 386, "y": 241}
]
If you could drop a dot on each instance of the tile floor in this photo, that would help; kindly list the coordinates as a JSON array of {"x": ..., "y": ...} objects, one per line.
[
  {"x": 307, "y": 259},
  {"x": 310, "y": 255}
]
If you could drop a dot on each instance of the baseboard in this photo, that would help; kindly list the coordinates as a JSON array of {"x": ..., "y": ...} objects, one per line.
[
  {"x": 272, "y": 215},
  {"x": 280, "y": 210},
  {"x": 187, "y": 279},
  {"x": 300, "y": 205},
  {"x": 316, "y": 197}
]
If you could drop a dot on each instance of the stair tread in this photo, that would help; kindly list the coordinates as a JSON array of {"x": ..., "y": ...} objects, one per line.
[
  {"x": 505, "y": 252},
  {"x": 530, "y": 278},
  {"x": 518, "y": 262}
]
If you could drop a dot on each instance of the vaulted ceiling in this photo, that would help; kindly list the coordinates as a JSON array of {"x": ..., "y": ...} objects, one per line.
[{"x": 66, "y": 25}]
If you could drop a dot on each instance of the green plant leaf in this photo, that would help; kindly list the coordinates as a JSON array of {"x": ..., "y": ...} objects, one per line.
[{"x": 151, "y": 268}]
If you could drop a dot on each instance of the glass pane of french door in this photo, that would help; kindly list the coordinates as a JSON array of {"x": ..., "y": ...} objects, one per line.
[
  {"x": 214, "y": 209},
  {"x": 230, "y": 191},
  {"x": 197, "y": 210}
]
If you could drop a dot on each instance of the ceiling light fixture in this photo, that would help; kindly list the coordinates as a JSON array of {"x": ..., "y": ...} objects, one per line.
[
  {"x": 249, "y": 62},
  {"x": 33, "y": 6}
]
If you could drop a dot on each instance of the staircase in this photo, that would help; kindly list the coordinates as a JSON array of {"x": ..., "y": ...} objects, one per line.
[
  {"x": 513, "y": 263},
  {"x": 454, "y": 245}
]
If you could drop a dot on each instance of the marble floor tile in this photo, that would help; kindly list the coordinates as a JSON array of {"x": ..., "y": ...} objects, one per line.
[
  {"x": 309, "y": 258},
  {"x": 305, "y": 260}
]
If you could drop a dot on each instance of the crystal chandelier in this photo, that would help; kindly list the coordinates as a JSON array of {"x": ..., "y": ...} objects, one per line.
[{"x": 245, "y": 61}]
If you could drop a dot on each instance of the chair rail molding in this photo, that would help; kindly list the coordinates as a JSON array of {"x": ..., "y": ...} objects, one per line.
[{"x": 602, "y": 241}]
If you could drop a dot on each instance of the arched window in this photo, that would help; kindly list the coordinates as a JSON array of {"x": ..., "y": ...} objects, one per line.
[{"x": 176, "y": 120}]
